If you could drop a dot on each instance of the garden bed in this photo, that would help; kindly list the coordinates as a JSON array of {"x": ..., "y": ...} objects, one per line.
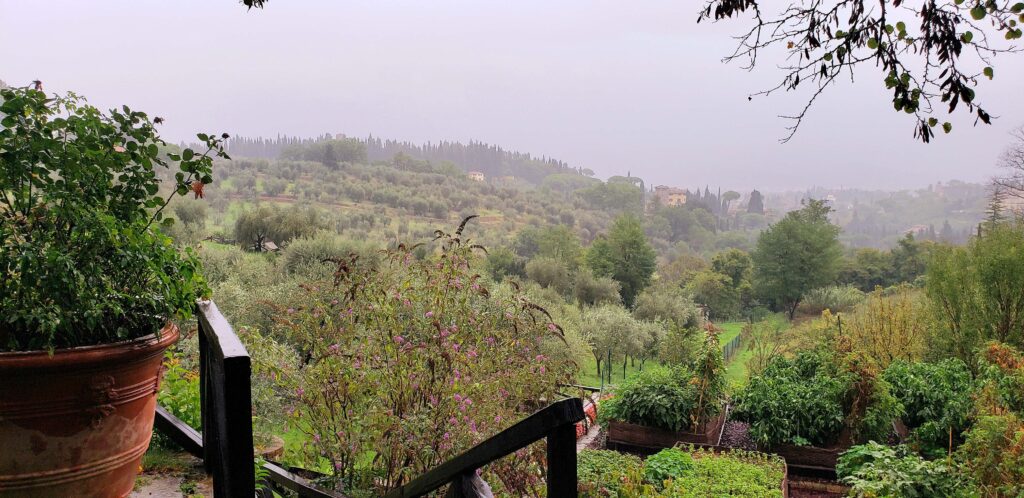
[
  {"x": 810, "y": 457},
  {"x": 644, "y": 439}
]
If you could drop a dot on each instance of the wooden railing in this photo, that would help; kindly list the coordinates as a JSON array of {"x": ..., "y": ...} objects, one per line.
[
  {"x": 557, "y": 423},
  {"x": 225, "y": 443}
]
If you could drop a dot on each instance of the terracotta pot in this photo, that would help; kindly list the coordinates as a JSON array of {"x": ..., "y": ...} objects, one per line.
[{"x": 78, "y": 422}]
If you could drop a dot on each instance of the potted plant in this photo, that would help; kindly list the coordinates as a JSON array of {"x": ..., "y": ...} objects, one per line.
[{"x": 89, "y": 286}]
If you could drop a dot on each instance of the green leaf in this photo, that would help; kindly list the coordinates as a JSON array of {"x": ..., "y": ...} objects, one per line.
[
  {"x": 947, "y": 127},
  {"x": 988, "y": 72},
  {"x": 187, "y": 155},
  {"x": 872, "y": 43},
  {"x": 978, "y": 13},
  {"x": 1017, "y": 8},
  {"x": 932, "y": 122},
  {"x": 828, "y": 56},
  {"x": 901, "y": 26},
  {"x": 967, "y": 37}
]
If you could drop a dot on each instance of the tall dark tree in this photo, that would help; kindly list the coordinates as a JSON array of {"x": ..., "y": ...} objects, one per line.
[{"x": 756, "y": 203}]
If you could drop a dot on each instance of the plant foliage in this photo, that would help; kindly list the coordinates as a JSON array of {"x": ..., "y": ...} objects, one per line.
[{"x": 82, "y": 257}]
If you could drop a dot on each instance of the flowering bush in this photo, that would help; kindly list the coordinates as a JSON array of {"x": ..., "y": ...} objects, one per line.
[{"x": 408, "y": 362}]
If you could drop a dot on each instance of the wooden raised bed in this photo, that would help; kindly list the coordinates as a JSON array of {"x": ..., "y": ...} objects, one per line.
[
  {"x": 810, "y": 457},
  {"x": 644, "y": 439}
]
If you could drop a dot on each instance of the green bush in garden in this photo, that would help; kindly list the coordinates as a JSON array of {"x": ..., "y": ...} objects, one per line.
[
  {"x": 936, "y": 400},
  {"x": 666, "y": 464},
  {"x": 733, "y": 473},
  {"x": 876, "y": 470},
  {"x": 810, "y": 399},
  {"x": 680, "y": 473},
  {"x": 607, "y": 473}
]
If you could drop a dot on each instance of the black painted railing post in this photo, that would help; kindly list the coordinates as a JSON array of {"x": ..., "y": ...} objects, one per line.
[
  {"x": 562, "y": 461},
  {"x": 205, "y": 417},
  {"x": 226, "y": 405}
]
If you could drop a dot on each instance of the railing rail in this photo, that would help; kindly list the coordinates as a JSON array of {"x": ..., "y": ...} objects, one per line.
[{"x": 556, "y": 422}]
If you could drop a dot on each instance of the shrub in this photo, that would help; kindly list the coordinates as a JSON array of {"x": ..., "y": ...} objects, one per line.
[
  {"x": 83, "y": 257},
  {"x": 936, "y": 399},
  {"x": 888, "y": 326},
  {"x": 877, "y": 470},
  {"x": 810, "y": 399},
  {"x": 673, "y": 398},
  {"x": 660, "y": 397},
  {"x": 548, "y": 272},
  {"x": 606, "y": 473},
  {"x": 993, "y": 454},
  {"x": 309, "y": 256},
  {"x": 594, "y": 291},
  {"x": 407, "y": 363},
  {"x": 836, "y": 298},
  {"x": 732, "y": 473},
  {"x": 666, "y": 464},
  {"x": 993, "y": 449}
]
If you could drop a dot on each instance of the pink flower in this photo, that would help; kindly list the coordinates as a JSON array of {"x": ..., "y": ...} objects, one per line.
[
  {"x": 299, "y": 392},
  {"x": 497, "y": 419},
  {"x": 291, "y": 310},
  {"x": 333, "y": 348},
  {"x": 399, "y": 339},
  {"x": 429, "y": 314},
  {"x": 446, "y": 436},
  {"x": 552, "y": 327},
  {"x": 458, "y": 398},
  {"x": 316, "y": 438}
]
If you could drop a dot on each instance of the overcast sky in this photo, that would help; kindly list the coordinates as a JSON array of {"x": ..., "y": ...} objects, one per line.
[{"x": 610, "y": 86}]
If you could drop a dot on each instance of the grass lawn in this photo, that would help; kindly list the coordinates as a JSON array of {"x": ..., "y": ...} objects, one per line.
[
  {"x": 588, "y": 367},
  {"x": 729, "y": 331},
  {"x": 588, "y": 371},
  {"x": 736, "y": 370}
]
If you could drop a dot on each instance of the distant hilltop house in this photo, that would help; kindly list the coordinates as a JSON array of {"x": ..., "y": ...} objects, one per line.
[
  {"x": 476, "y": 176},
  {"x": 1012, "y": 203},
  {"x": 670, "y": 196},
  {"x": 917, "y": 230}
]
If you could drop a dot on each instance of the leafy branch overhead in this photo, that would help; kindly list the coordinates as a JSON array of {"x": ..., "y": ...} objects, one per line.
[{"x": 932, "y": 54}]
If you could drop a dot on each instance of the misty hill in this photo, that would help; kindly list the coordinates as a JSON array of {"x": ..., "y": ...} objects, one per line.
[{"x": 489, "y": 159}]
